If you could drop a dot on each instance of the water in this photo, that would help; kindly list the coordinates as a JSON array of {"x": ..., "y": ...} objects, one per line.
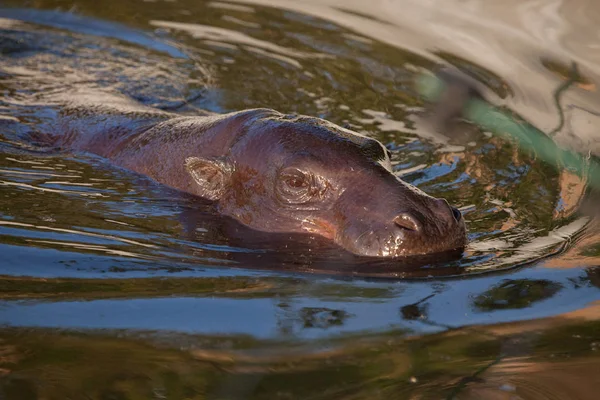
[{"x": 116, "y": 288}]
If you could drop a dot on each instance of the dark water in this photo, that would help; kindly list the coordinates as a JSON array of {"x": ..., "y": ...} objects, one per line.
[{"x": 115, "y": 288}]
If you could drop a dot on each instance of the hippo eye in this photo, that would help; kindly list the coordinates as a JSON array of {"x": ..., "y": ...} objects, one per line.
[
  {"x": 296, "y": 182},
  {"x": 298, "y": 187},
  {"x": 295, "y": 179}
]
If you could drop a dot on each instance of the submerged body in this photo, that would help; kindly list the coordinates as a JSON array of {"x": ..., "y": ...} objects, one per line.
[{"x": 270, "y": 171}]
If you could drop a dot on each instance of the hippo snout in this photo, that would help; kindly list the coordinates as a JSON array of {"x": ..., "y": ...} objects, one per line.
[
  {"x": 442, "y": 211},
  {"x": 434, "y": 228}
]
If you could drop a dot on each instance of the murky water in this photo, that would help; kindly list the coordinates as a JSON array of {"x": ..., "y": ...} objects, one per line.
[{"x": 116, "y": 288}]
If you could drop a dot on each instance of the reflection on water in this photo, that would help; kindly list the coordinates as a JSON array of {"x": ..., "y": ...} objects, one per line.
[
  {"x": 172, "y": 301},
  {"x": 505, "y": 362}
]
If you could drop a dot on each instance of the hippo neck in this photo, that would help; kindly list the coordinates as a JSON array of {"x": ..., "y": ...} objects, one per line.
[{"x": 206, "y": 136}]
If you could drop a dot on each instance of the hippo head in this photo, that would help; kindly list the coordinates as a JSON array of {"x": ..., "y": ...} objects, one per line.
[{"x": 303, "y": 174}]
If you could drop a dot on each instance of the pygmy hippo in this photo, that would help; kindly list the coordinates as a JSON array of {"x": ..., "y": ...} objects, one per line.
[{"x": 274, "y": 172}]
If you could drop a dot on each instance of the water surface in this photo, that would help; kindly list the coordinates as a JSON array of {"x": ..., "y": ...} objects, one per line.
[{"x": 100, "y": 264}]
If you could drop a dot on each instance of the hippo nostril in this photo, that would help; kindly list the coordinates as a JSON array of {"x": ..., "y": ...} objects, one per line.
[
  {"x": 408, "y": 222},
  {"x": 456, "y": 214}
]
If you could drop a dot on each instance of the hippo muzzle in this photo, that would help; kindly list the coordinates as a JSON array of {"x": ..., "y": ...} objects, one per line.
[{"x": 401, "y": 222}]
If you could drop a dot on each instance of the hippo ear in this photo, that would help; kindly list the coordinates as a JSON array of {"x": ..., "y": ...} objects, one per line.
[{"x": 211, "y": 175}]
